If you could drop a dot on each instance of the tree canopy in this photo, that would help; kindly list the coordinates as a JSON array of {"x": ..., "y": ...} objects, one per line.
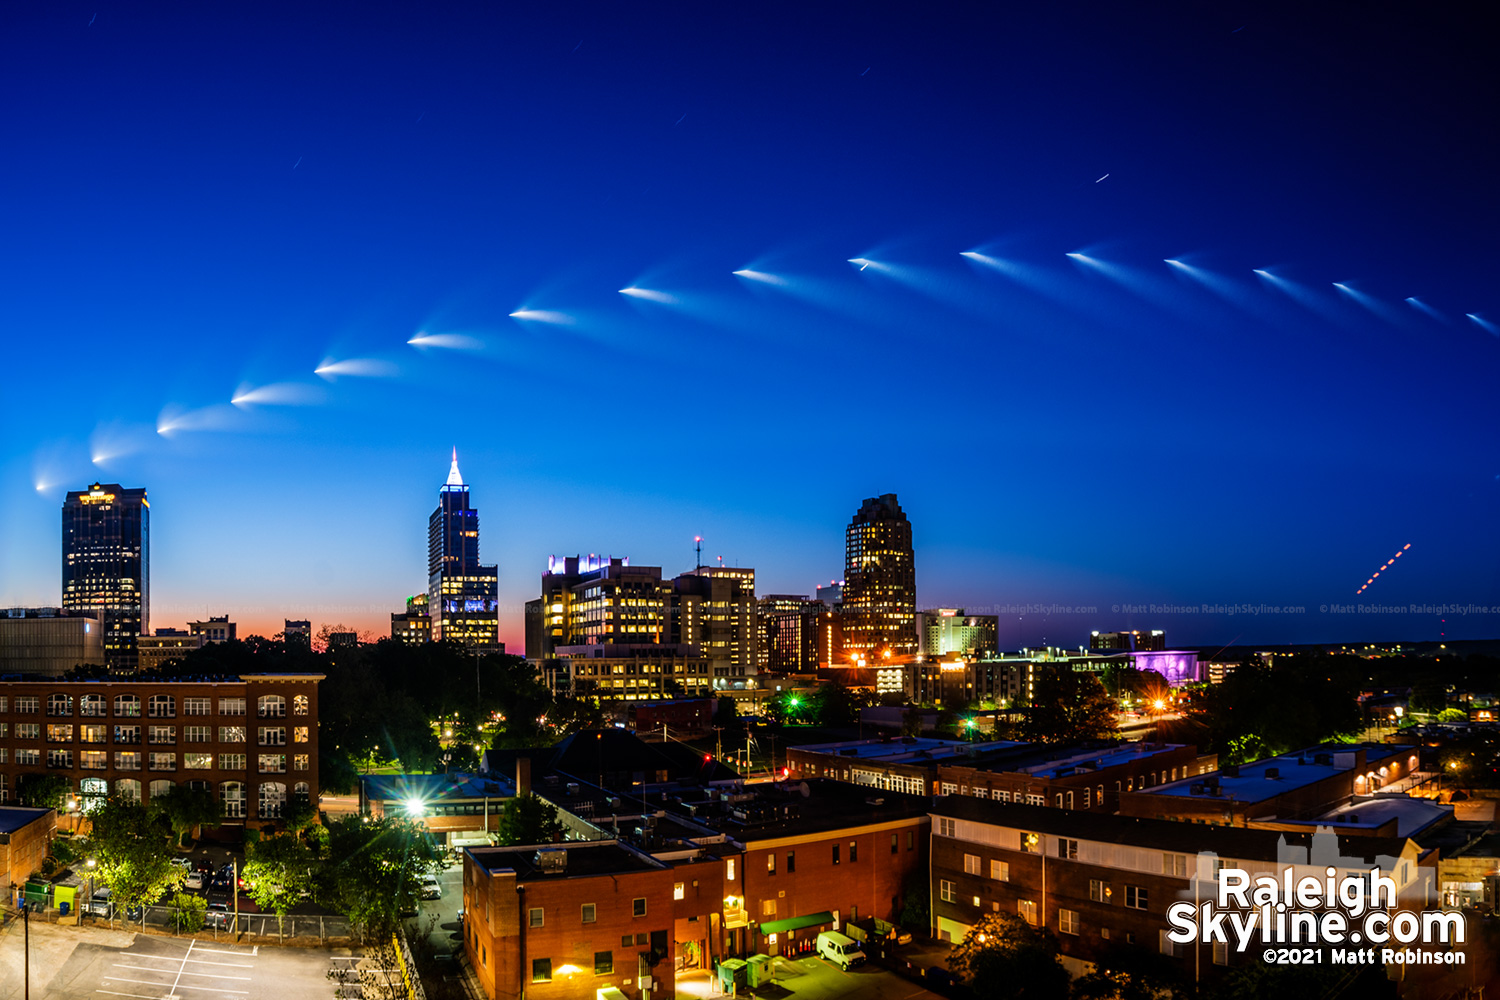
[
  {"x": 1004, "y": 956},
  {"x": 130, "y": 852},
  {"x": 527, "y": 819},
  {"x": 1067, "y": 706}
]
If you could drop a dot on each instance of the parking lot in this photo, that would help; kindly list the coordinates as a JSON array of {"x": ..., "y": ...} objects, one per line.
[{"x": 158, "y": 968}]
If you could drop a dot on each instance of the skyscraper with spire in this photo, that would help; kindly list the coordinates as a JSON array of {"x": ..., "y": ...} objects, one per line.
[{"x": 463, "y": 597}]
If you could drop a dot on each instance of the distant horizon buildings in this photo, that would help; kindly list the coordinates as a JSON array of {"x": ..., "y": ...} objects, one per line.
[
  {"x": 463, "y": 598},
  {"x": 106, "y": 565},
  {"x": 943, "y": 631},
  {"x": 879, "y": 609}
]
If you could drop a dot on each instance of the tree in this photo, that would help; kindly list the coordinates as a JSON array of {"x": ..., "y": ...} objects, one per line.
[
  {"x": 527, "y": 819},
  {"x": 188, "y": 912},
  {"x": 1068, "y": 706},
  {"x": 1453, "y": 715},
  {"x": 1130, "y": 972},
  {"x": 129, "y": 845},
  {"x": 1004, "y": 956},
  {"x": 372, "y": 871},
  {"x": 187, "y": 810},
  {"x": 279, "y": 872},
  {"x": 41, "y": 791}
]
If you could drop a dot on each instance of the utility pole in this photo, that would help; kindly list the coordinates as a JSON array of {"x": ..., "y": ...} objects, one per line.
[
  {"x": 718, "y": 742},
  {"x": 26, "y": 973},
  {"x": 698, "y": 551}
]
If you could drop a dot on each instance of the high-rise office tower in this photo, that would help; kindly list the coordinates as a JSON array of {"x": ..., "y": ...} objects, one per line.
[
  {"x": 463, "y": 597},
  {"x": 879, "y": 613},
  {"x": 106, "y": 565}
]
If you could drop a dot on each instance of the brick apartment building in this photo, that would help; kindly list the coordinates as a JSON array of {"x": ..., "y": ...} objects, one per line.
[
  {"x": 1096, "y": 880},
  {"x": 599, "y": 919},
  {"x": 252, "y": 740},
  {"x": 24, "y": 837}
]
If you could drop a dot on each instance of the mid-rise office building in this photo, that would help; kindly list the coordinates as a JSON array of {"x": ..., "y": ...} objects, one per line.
[
  {"x": 879, "y": 611},
  {"x": 1131, "y": 641},
  {"x": 165, "y": 645},
  {"x": 414, "y": 625},
  {"x": 106, "y": 565},
  {"x": 48, "y": 642},
  {"x": 251, "y": 740},
  {"x": 795, "y": 634},
  {"x": 296, "y": 634},
  {"x": 463, "y": 596},
  {"x": 632, "y": 671},
  {"x": 949, "y": 631},
  {"x": 713, "y": 608},
  {"x": 219, "y": 629}
]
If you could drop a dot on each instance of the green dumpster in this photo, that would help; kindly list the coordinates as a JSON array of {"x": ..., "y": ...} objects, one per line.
[
  {"x": 732, "y": 974},
  {"x": 758, "y": 970}
]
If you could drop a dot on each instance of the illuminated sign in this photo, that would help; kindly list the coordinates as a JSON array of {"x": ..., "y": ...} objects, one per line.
[{"x": 97, "y": 498}]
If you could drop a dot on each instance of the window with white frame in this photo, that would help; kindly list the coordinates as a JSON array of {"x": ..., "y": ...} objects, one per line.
[
  {"x": 971, "y": 864},
  {"x": 1027, "y": 910},
  {"x": 945, "y": 890},
  {"x": 1067, "y": 921},
  {"x": 1000, "y": 871}
]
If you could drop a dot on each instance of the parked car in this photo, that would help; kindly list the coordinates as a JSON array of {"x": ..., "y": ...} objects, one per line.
[
  {"x": 840, "y": 950},
  {"x": 99, "y": 906},
  {"x": 182, "y": 863},
  {"x": 430, "y": 888},
  {"x": 218, "y": 915},
  {"x": 193, "y": 882},
  {"x": 203, "y": 865}
]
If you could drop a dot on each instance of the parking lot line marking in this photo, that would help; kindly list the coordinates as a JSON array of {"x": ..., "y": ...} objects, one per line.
[
  {"x": 147, "y": 982},
  {"x": 142, "y": 996},
  {"x": 220, "y": 951},
  {"x": 185, "y": 956}
]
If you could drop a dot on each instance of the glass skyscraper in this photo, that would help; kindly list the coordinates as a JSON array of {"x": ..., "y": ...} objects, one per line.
[
  {"x": 106, "y": 565},
  {"x": 463, "y": 597},
  {"x": 879, "y": 612}
]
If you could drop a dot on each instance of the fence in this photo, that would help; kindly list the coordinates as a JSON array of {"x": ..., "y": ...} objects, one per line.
[{"x": 217, "y": 925}]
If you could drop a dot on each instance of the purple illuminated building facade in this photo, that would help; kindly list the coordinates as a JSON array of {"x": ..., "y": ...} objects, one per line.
[{"x": 1179, "y": 667}]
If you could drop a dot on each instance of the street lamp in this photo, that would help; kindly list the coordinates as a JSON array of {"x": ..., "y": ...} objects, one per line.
[{"x": 88, "y": 900}]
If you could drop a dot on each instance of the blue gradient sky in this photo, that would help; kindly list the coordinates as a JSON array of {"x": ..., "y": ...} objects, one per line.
[{"x": 202, "y": 201}]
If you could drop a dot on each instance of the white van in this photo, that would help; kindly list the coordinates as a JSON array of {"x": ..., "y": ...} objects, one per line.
[{"x": 840, "y": 950}]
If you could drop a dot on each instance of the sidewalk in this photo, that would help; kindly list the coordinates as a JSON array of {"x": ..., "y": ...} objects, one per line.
[{"x": 51, "y": 947}]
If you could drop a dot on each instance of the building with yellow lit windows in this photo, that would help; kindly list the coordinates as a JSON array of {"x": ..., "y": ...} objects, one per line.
[
  {"x": 106, "y": 565},
  {"x": 463, "y": 597},
  {"x": 879, "y": 612}
]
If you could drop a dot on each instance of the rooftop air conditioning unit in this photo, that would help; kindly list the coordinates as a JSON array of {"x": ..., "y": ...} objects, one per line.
[{"x": 552, "y": 860}]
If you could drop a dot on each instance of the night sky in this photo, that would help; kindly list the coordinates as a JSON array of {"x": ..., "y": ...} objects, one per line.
[{"x": 206, "y": 203}]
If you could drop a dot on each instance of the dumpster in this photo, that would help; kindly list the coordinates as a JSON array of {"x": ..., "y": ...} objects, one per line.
[
  {"x": 758, "y": 970},
  {"x": 732, "y": 974}
]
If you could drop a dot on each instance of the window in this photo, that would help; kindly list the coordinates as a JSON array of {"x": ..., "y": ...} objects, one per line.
[
  {"x": 1000, "y": 871},
  {"x": 604, "y": 963},
  {"x": 127, "y": 734},
  {"x": 1067, "y": 921},
  {"x": 161, "y": 734},
  {"x": 835, "y": 853},
  {"x": 299, "y": 734},
  {"x": 1135, "y": 897},
  {"x": 945, "y": 890},
  {"x": 971, "y": 864},
  {"x": 678, "y": 891},
  {"x": 60, "y": 758},
  {"x": 272, "y": 799},
  {"x": 91, "y": 734},
  {"x": 1174, "y": 864},
  {"x": 945, "y": 827},
  {"x": 541, "y": 969},
  {"x": 163, "y": 762},
  {"x": 1067, "y": 848},
  {"x": 60, "y": 705},
  {"x": 1165, "y": 945},
  {"x": 895, "y": 841},
  {"x": 638, "y": 906},
  {"x": 728, "y": 871},
  {"x": 231, "y": 762},
  {"x": 28, "y": 704},
  {"x": 273, "y": 736},
  {"x": 768, "y": 908},
  {"x": 197, "y": 734},
  {"x": 272, "y": 763},
  {"x": 127, "y": 706},
  {"x": 128, "y": 789},
  {"x": 1088, "y": 798},
  {"x": 299, "y": 705},
  {"x": 231, "y": 734},
  {"x": 28, "y": 730},
  {"x": 30, "y": 757},
  {"x": 4, "y": 728},
  {"x": 231, "y": 706},
  {"x": 626, "y": 940},
  {"x": 911, "y": 840},
  {"x": 161, "y": 786},
  {"x": 1221, "y": 952},
  {"x": 300, "y": 762},
  {"x": 1099, "y": 890},
  {"x": 770, "y": 862},
  {"x": 588, "y": 913},
  {"x": 270, "y": 706},
  {"x": 198, "y": 761},
  {"x": 93, "y": 760},
  {"x": 791, "y": 862},
  {"x": 1027, "y": 910},
  {"x": 127, "y": 760},
  {"x": 232, "y": 795},
  {"x": 1031, "y": 843},
  {"x": 162, "y": 706},
  {"x": 59, "y": 733},
  {"x": 197, "y": 706},
  {"x": 853, "y": 851}
]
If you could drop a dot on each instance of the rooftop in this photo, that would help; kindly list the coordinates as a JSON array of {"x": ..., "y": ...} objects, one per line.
[
  {"x": 1272, "y": 776},
  {"x": 786, "y": 809},
  {"x": 13, "y": 818},
  {"x": 910, "y": 749},
  {"x": 435, "y": 787},
  {"x": 1412, "y": 816},
  {"x": 583, "y": 859}
]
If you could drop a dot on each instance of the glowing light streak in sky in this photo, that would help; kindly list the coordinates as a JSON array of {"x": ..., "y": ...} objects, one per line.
[
  {"x": 1388, "y": 564},
  {"x": 650, "y": 295},
  {"x": 1425, "y": 309},
  {"x": 1484, "y": 324},
  {"x": 544, "y": 316},
  {"x": 330, "y": 369},
  {"x": 277, "y": 394},
  {"x": 764, "y": 277},
  {"x": 1369, "y": 302},
  {"x": 451, "y": 341}
]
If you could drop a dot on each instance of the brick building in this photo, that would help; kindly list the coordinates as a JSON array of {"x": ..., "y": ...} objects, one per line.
[
  {"x": 252, "y": 740},
  {"x": 1095, "y": 880},
  {"x": 1090, "y": 778},
  {"x": 457, "y": 808},
  {"x": 1299, "y": 785},
  {"x": 24, "y": 837},
  {"x": 583, "y": 919}
]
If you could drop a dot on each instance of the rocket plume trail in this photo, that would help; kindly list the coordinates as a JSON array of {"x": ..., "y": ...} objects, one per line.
[{"x": 1388, "y": 564}]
